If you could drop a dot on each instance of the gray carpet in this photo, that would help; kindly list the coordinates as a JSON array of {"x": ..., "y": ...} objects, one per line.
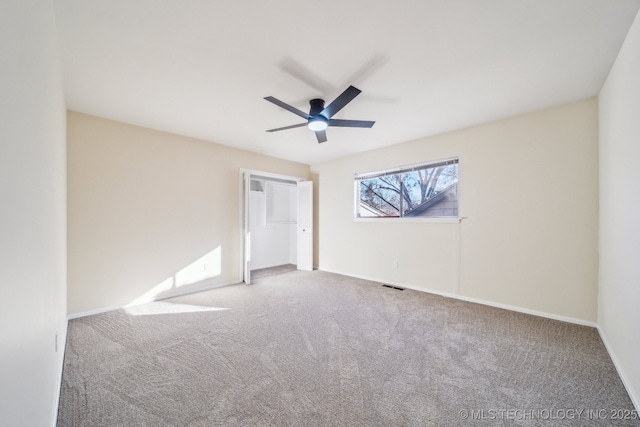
[
  {"x": 270, "y": 271},
  {"x": 320, "y": 349}
]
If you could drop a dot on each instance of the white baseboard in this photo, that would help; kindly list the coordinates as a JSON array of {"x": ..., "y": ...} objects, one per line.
[
  {"x": 476, "y": 300},
  {"x": 173, "y": 295},
  {"x": 528, "y": 311},
  {"x": 93, "y": 312},
  {"x": 621, "y": 373}
]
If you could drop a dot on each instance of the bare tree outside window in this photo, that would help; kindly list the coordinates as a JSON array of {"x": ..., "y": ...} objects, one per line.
[{"x": 425, "y": 190}]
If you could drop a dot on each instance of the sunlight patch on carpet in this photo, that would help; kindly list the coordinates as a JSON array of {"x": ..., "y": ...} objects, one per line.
[{"x": 161, "y": 307}]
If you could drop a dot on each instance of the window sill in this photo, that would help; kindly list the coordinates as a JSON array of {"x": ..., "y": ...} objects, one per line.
[{"x": 436, "y": 220}]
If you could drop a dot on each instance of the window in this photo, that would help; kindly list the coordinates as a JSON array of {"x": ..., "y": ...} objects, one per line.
[{"x": 426, "y": 190}]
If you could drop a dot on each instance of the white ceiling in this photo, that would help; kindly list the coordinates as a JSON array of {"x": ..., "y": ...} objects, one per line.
[{"x": 200, "y": 68}]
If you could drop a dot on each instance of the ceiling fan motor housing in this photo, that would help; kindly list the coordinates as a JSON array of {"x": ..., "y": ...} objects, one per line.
[
  {"x": 317, "y": 121},
  {"x": 317, "y": 105}
]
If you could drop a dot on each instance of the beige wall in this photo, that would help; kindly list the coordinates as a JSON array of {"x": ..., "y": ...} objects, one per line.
[
  {"x": 143, "y": 205},
  {"x": 529, "y": 195},
  {"x": 619, "y": 282},
  {"x": 32, "y": 215}
]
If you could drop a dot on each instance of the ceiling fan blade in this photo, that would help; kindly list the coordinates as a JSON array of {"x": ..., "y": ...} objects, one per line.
[
  {"x": 351, "y": 123},
  {"x": 321, "y": 135},
  {"x": 287, "y": 107},
  {"x": 343, "y": 99},
  {"x": 286, "y": 127}
]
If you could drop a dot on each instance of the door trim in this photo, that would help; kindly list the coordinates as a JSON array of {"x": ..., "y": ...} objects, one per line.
[{"x": 244, "y": 213}]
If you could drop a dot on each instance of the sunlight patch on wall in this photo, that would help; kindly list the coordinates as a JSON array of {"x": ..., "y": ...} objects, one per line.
[
  {"x": 201, "y": 269},
  {"x": 206, "y": 267},
  {"x": 164, "y": 286}
]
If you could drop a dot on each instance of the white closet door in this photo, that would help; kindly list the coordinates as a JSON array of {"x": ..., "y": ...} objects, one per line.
[{"x": 305, "y": 225}]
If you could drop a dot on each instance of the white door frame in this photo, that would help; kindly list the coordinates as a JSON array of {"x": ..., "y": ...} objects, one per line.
[
  {"x": 304, "y": 226},
  {"x": 244, "y": 211}
]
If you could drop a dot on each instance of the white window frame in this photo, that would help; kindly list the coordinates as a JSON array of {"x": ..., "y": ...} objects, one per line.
[{"x": 400, "y": 169}]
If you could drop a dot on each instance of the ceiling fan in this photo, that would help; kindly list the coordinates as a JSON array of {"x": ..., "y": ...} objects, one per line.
[{"x": 320, "y": 117}]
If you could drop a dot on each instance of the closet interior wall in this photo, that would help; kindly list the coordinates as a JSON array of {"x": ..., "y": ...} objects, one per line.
[{"x": 273, "y": 218}]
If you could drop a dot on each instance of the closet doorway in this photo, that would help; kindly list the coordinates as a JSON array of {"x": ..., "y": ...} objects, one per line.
[{"x": 277, "y": 223}]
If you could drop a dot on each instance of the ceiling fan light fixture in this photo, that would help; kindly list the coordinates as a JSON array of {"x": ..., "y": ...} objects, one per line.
[{"x": 317, "y": 124}]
